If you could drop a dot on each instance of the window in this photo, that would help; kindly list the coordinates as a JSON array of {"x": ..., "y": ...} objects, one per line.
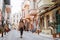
[
  {"x": 14, "y": 20},
  {"x": 47, "y": 20},
  {"x": 58, "y": 21}
]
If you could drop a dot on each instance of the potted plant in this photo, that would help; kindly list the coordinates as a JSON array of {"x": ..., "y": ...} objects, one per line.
[{"x": 53, "y": 25}]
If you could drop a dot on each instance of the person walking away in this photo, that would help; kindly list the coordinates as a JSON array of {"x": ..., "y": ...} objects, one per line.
[
  {"x": 38, "y": 29},
  {"x": 6, "y": 29},
  {"x": 21, "y": 27}
]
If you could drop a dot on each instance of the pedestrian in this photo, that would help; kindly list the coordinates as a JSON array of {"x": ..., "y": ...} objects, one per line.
[
  {"x": 21, "y": 27},
  {"x": 6, "y": 29}
]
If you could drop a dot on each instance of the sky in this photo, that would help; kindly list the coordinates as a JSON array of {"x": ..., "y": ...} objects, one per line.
[
  {"x": 1, "y": 2},
  {"x": 16, "y": 6}
]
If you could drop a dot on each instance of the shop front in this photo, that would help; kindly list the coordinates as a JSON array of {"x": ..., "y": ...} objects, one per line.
[
  {"x": 49, "y": 21},
  {"x": 58, "y": 22}
]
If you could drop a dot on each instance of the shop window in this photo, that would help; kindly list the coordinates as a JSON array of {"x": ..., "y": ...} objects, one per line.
[
  {"x": 58, "y": 17},
  {"x": 58, "y": 21}
]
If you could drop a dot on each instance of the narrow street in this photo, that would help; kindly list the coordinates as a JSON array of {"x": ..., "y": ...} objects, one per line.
[
  {"x": 39, "y": 18},
  {"x": 14, "y": 35}
]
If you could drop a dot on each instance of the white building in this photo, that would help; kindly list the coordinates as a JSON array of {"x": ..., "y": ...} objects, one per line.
[
  {"x": 16, "y": 13},
  {"x": 1, "y": 4},
  {"x": 14, "y": 19}
]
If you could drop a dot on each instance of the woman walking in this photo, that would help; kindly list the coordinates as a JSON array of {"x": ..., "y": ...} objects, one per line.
[
  {"x": 6, "y": 28},
  {"x": 21, "y": 27}
]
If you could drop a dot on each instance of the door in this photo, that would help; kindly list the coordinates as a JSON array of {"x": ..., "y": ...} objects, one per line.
[{"x": 58, "y": 21}]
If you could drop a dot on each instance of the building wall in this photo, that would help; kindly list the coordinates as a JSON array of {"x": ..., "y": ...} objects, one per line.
[
  {"x": 1, "y": 4},
  {"x": 25, "y": 8},
  {"x": 43, "y": 2},
  {"x": 46, "y": 21},
  {"x": 15, "y": 20}
]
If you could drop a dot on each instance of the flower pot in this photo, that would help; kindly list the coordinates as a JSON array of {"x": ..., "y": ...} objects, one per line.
[{"x": 54, "y": 36}]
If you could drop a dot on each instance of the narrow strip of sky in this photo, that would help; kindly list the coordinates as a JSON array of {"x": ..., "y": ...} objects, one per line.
[{"x": 16, "y": 6}]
